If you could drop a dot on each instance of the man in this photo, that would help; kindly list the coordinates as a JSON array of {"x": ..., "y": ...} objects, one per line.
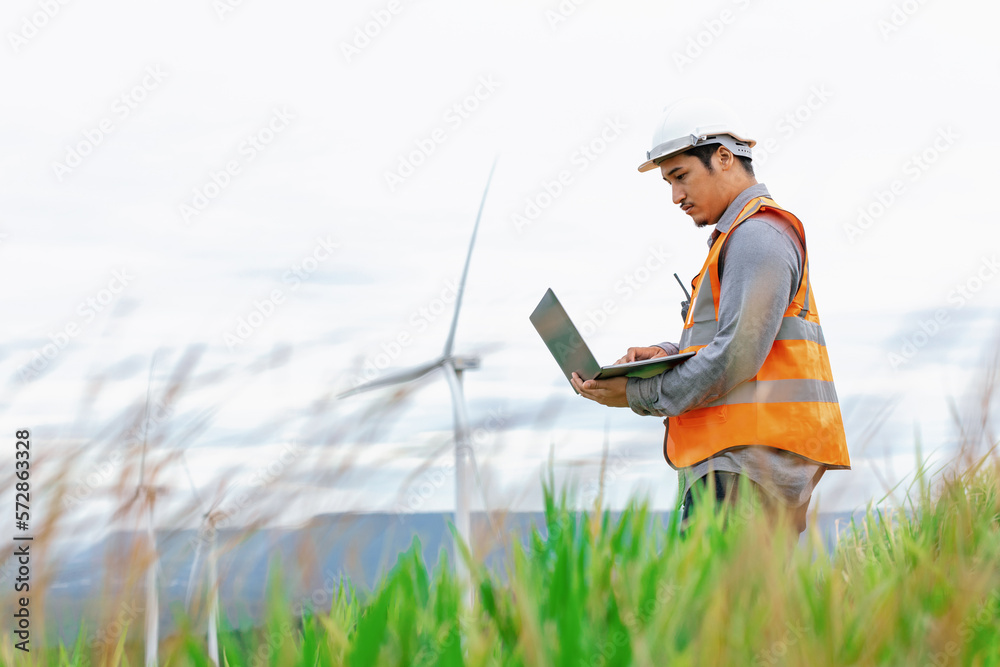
[{"x": 756, "y": 404}]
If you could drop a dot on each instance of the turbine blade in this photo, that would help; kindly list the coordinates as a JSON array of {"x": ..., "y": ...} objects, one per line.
[
  {"x": 394, "y": 378},
  {"x": 465, "y": 272}
]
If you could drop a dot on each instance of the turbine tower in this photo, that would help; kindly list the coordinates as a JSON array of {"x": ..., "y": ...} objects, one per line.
[
  {"x": 207, "y": 529},
  {"x": 146, "y": 493},
  {"x": 453, "y": 365}
]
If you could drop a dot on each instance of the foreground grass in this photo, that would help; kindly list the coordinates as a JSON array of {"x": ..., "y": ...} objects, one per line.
[{"x": 915, "y": 586}]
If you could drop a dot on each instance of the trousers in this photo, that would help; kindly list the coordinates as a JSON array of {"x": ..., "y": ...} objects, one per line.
[{"x": 726, "y": 485}]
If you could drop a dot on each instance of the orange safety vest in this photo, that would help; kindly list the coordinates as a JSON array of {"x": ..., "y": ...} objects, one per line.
[{"x": 790, "y": 404}]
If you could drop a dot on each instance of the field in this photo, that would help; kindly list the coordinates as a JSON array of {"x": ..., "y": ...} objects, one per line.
[
  {"x": 915, "y": 582},
  {"x": 913, "y": 585}
]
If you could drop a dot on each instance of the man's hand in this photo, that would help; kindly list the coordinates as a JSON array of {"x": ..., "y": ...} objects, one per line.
[
  {"x": 640, "y": 353},
  {"x": 610, "y": 392}
]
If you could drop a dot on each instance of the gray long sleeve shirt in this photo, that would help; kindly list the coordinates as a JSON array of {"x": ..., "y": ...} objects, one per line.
[{"x": 760, "y": 269}]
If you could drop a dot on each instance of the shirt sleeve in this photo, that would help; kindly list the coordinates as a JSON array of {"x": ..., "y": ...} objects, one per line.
[
  {"x": 761, "y": 273},
  {"x": 669, "y": 348}
]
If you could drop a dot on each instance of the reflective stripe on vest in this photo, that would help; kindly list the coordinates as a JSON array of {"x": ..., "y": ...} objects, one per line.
[{"x": 790, "y": 404}]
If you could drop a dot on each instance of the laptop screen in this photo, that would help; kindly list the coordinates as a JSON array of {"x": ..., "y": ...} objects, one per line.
[{"x": 562, "y": 338}]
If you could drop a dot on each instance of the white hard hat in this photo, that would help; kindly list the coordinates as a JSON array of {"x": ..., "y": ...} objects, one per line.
[{"x": 696, "y": 121}]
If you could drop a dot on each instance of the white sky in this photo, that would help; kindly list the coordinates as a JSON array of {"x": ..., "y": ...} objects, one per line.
[{"x": 881, "y": 94}]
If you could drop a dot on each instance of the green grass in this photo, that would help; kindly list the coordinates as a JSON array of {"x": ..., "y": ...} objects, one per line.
[{"x": 915, "y": 585}]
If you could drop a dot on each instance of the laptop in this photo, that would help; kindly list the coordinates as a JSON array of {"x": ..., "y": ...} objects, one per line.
[{"x": 572, "y": 354}]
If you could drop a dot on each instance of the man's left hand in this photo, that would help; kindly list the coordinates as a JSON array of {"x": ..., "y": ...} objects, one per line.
[{"x": 610, "y": 392}]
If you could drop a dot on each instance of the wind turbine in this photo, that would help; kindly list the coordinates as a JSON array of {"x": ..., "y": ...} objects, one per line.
[
  {"x": 148, "y": 494},
  {"x": 152, "y": 593},
  {"x": 209, "y": 520},
  {"x": 453, "y": 365}
]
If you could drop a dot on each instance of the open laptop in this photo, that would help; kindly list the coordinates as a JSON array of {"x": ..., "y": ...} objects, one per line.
[{"x": 572, "y": 354}]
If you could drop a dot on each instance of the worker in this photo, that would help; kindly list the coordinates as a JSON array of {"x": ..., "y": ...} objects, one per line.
[{"x": 756, "y": 407}]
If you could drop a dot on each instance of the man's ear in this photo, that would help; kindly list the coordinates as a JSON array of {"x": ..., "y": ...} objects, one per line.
[{"x": 725, "y": 158}]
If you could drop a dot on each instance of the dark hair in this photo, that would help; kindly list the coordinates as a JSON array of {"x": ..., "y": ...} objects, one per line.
[{"x": 706, "y": 151}]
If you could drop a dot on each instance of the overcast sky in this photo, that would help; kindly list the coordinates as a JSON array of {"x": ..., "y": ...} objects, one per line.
[{"x": 301, "y": 179}]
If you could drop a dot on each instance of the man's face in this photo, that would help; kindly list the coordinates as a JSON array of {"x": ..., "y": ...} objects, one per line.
[{"x": 699, "y": 192}]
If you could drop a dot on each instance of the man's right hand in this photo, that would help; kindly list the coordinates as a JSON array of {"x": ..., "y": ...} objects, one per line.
[{"x": 640, "y": 353}]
